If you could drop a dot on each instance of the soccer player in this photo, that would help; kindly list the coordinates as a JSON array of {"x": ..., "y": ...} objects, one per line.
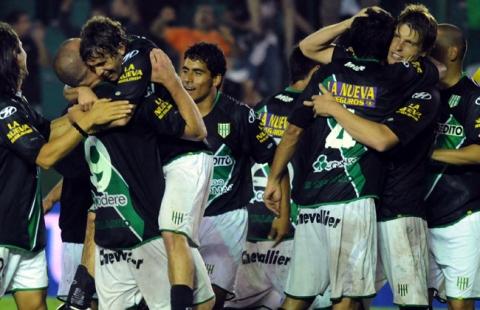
[
  {"x": 261, "y": 276},
  {"x": 400, "y": 212},
  {"x": 236, "y": 137},
  {"x": 340, "y": 178},
  {"x": 453, "y": 198},
  {"x": 127, "y": 173},
  {"x": 24, "y": 135},
  {"x": 107, "y": 50}
]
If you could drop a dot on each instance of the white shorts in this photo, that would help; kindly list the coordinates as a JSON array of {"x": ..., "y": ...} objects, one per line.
[
  {"x": 71, "y": 258},
  {"x": 403, "y": 257},
  {"x": 334, "y": 245},
  {"x": 22, "y": 270},
  {"x": 456, "y": 253},
  {"x": 123, "y": 277},
  {"x": 262, "y": 276},
  {"x": 222, "y": 241},
  {"x": 187, "y": 185}
]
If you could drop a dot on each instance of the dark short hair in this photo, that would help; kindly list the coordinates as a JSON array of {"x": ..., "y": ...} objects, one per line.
[
  {"x": 370, "y": 36},
  {"x": 9, "y": 68},
  {"x": 211, "y": 55},
  {"x": 419, "y": 19},
  {"x": 101, "y": 36},
  {"x": 300, "y": 65}
]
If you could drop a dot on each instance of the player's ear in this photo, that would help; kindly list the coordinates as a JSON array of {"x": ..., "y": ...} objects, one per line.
[
  {"x": 217, "y": 80},
  {"x": 122, "y": 49},
  {"x": 453, "y": 53}
]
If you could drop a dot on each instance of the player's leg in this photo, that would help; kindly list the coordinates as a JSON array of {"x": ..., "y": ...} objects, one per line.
[
  {"x": 71, "y": 258},
  {"x": 117, "y": 288},
  {"x": 149, "y": 266},
  {"x": 351, "y": 233},
  {"x": 455, "y": 249},
  {"x": 31, "y": 300},
  {"x": 179, "y": 218},
  {"x": 404, "y": 254},
  {"x": 82, "y": 290},
  {"x": 222, "y": 240},
  {"x": 25, "y": 275},
  {"x": 308, "y": 274}
]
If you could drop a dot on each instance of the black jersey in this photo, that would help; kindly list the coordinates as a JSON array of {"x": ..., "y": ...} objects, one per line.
[
  {"x": 134, "y": 84},
  {"x": 335, "y": 167},
  {"x": 76, "y": 197},
  {"x": 453, "y": 191},
  {"x": 126, "y": 171},
  {"x": 23, "y": 132},
  {"x": 273, "y": 114},
  {"x": 236, "y": 137},
  {"x": 406, "y": 164}
]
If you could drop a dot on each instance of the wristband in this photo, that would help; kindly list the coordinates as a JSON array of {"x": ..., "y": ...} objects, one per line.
[{"x": 80, "y": 130}]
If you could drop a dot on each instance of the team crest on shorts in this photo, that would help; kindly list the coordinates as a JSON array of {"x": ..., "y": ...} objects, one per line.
[{"x": 223, "y": 129}]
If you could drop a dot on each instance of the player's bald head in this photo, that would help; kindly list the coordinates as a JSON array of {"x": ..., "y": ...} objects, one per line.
[
  {"x": 68, "y": 64},
  {"x": 451, "y": 36}
]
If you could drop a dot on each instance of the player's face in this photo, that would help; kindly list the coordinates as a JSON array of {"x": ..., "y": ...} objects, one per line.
[
  {"x": 405, "y": 45},
  {"x": 22, "y": 60},
  {"x": 196, "y": 79},
  {"x": 107, "y": 67}
]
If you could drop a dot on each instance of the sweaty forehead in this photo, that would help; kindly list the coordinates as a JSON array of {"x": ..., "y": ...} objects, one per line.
[{"x": 193, "y": 63}]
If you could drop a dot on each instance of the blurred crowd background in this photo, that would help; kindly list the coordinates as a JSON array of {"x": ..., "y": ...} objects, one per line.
[{"x": 256, "y": 35}]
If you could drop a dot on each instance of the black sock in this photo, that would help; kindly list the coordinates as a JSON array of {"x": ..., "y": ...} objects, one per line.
[{"x": 181, "y": 297}]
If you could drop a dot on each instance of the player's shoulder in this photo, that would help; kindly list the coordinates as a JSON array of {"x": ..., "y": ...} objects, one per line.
[
  {"x": 137, "y": 47},
  {"x": 234, "y": 108},
  {"x": 8, "y": 107}
]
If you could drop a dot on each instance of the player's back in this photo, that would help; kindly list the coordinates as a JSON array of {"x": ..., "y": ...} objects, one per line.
[{"x": 338, "y": 168}]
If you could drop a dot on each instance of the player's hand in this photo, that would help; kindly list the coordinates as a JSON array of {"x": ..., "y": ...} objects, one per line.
[
  {"x": 280, "y": 229},
  {"x": 163, "y": 71},
  {"x": 272, "y": 196},
  {"x": 322, "y": 105},
  {"x": 105, "y": 111},
  {"x": 86, "y": 97}
]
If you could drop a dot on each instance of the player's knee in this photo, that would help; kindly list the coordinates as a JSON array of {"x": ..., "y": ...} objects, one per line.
[
  {"x": 31, "y": 300},
  {"x": 461, "y": 304},
  {"x": 208, "y": 305}
]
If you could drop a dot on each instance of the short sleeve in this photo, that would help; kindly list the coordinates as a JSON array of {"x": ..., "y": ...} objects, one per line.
[
  {"x": 472, "y": 120},
  {"x": 260, "y": 146},
  {"x": 417, "y": 113},
  {"x": 18, "y": 134},
  {"x": 135, "y": 76},
  {"x": 160, "y": 112}
]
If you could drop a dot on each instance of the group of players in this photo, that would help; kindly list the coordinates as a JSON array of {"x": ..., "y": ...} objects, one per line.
[{"x": 372, "y": 152}]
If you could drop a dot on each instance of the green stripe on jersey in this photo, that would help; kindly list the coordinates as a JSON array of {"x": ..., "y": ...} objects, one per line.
[
  {"x": 111, "y": 186},
  {"x": 224, "y": 164},
  {"x": 34, "y": 216},
  {"x": 450, "y": 135}
]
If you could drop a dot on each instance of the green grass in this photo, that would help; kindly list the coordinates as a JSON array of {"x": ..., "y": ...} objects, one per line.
[{"x": 7, "y": 303}]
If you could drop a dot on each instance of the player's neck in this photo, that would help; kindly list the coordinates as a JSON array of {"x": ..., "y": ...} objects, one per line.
[
  {"x": 206, "y": 104},
  {"x": 452, "y": 77}
]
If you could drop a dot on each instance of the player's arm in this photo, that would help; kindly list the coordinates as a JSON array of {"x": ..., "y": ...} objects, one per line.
[
  {"x": 470, "y": 154},
  {"x": 164, "y": 73},
  {"x": 101, "y": 113},
  {"x": 52, "y": 197},
  {"x": 317, "y": 46},
  {"x": 467, "y": 155},
  {"x": 273, "y": 194},
  {"x": 374, "y": 135}
]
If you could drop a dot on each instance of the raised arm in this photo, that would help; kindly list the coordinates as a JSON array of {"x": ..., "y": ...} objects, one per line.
[{"x": 163, "y": 73}]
